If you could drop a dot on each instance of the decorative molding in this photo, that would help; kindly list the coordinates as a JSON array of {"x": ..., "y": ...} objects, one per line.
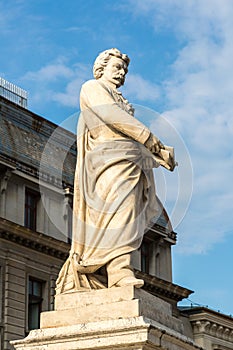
[
  {"x": 4, "y": 180},
  {"x": 33, "y": 240},
  {"x": 213, "y": 329},
  {"x": 32, "y": 171},
  {"x": 167, "y": 233},
  {"x": 207, "y": 322},
  {"x": 221, "y": 347},
  {"x": 162, "y": 288}
]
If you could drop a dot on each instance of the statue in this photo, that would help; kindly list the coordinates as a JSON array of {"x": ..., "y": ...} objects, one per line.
[{"x": 114, "y": 191}]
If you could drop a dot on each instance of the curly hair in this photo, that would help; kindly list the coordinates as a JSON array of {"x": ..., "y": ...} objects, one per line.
[{"x": 103, "y": 59}]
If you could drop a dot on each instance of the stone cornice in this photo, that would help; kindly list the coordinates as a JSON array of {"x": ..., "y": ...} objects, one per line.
[
  {"x": 221, "y": 347},
  {"x": 212, "y": 323},
  {"x": 162, "y": 288},
  {"x": 34, "y": 172},
  {"x": 213, "y": 329},
  {"x": 33, "y": 240},
  {"x": 167, "y": 234}
]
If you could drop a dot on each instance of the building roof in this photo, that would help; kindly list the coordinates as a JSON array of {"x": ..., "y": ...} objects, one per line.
[
  {"x": 162, "y": 220},
  {"x": 34, "y": 145},
  {"x": 204, "y": 312}
]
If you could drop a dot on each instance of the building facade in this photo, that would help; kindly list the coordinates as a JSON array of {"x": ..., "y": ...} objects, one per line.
[
  {"x": 37, "y": 164},
  {"x": 35, "y": 214}
]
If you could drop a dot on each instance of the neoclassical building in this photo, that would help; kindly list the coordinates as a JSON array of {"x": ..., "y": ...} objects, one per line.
[{"x": 37, "y": 163}]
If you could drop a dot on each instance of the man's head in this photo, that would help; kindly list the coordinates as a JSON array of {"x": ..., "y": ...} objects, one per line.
[{"x": 111, "y": 65}]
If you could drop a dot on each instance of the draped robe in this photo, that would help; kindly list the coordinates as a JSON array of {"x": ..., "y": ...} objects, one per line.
[{"x": 114, "y": 190}]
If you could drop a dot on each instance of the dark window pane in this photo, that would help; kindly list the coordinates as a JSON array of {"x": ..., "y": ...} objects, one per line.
[
  {"x": 145, "y": 256},
  {"x": 37, "y": 288},
  {"x": 34, "y": 303},
  {"x": 34, "y": 316},
  {"x": 31, "y": 199}
]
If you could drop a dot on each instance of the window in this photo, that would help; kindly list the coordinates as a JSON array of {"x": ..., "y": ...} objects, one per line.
[
  {"x": 35, "y": 289},
  {"x": 31, "y": 199},
  {"x": 145, "y": 255}
]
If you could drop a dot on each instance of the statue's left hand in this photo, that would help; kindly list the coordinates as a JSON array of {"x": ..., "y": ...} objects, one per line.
[{"x": 154, "y": 144}]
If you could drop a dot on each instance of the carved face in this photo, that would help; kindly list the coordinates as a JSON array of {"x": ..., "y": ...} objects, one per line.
[{"x": 115, "y": 71}]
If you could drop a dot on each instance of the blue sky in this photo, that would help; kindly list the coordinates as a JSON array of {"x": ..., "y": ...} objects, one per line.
[{"x": 181, "y": 68}]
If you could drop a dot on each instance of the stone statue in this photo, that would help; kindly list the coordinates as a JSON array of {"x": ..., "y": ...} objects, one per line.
[{"x": 114, "y": 191}]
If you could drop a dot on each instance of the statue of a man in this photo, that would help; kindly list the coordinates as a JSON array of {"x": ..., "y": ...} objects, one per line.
[{"x": 114, "y": 191}]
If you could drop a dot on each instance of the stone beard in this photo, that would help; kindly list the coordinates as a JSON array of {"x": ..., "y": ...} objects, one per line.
[{"x": 114, "y": 190}]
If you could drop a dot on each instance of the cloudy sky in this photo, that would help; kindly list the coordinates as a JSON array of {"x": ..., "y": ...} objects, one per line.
[{"x": 180, "y": 79}]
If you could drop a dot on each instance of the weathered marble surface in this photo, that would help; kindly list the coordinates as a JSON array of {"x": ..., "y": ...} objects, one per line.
[
  {"x": 105, "y": 304},
  {"x": 114, "y": 192},
  {"x": 115, "y": 318}
]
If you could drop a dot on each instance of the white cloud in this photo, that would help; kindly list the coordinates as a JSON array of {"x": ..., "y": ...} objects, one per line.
[
  {"x": 58, "y": 81},
  {"x": 199, "y": 95},
  {"x": 141, "y": 89},
  {"x": 50, "y": 73},
  {"x": 70, "y": 96}
]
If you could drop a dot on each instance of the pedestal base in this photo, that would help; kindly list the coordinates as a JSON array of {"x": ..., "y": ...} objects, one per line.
[{"x": 117, "y": 318}]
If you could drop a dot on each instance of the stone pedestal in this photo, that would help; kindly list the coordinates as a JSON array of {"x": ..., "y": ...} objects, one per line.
[{"x": 116, "y": 318}]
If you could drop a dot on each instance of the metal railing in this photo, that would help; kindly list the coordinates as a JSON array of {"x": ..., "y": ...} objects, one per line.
[{"x": 13, "y": 93}]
